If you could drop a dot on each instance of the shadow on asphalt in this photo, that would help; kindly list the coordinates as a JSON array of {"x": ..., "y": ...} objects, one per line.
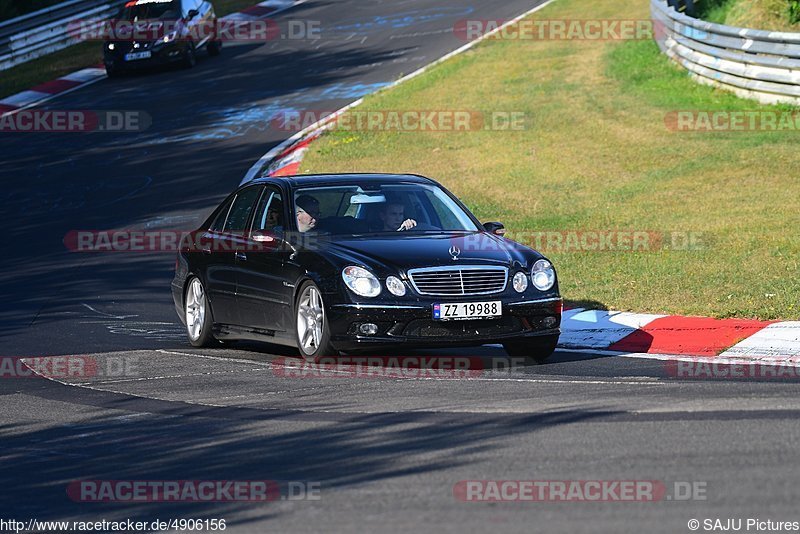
[{"x": 161, "y": 440}]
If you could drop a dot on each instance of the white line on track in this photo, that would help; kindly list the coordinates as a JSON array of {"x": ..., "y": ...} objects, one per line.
[{"x": 786, "y": 361}]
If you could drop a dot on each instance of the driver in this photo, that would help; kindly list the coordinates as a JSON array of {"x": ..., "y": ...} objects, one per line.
[
  {"x": 394, "y": 219},
  {"x": 307, "y": 212}
]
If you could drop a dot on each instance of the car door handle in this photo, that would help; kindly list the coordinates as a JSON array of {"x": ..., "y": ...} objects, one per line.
[{"x": 241, "y": 256}]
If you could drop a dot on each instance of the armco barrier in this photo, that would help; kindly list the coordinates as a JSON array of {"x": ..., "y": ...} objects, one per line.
[
  {"x": 43, "y": 32},
  {"x": 756, "y": 64}
]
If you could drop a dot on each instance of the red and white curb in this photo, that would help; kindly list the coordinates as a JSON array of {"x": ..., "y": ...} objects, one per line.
[
  {"x": 47, "y": 91},
  {"x": 84, "y": 77},
  {"x": 638, "y": 333}
]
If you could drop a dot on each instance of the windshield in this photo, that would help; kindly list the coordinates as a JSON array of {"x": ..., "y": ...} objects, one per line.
[
  {"x": 150, "y": 10},
  {"x": 391, "y": 209}
]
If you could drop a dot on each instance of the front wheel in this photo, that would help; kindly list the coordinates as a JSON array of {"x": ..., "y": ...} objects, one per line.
[
  {"x": 214, "y": 48},
  {"x": 198, "y": 314},
  {"x": 537, "y": 350},
  {"x": 190, "y": 56},
  {"x": 313, "y": 333}
]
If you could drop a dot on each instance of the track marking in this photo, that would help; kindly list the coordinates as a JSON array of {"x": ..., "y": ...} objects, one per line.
[{"x": 787, "y": 361}]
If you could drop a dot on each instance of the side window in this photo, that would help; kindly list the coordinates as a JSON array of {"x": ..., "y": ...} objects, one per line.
[
  {"x": 240, "y": 211},
  {"x": 269, "y": 212},
  {"x": 219, "y": 222},
  {"x": 188, "y": 5}
]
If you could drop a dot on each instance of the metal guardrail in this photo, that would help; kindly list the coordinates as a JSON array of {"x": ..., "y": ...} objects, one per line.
[
  {"x": 755, "y": 64},
  {"x": 45, "y": 31}
]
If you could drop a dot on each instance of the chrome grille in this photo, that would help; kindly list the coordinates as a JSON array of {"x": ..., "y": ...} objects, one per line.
[{"x": 458, "y": 281}]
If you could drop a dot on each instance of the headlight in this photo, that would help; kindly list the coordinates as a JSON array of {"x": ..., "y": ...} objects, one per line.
[
  {"x": 543, "y": 275},
  {"x": 111, "y": 46},
  {"x": 520, "y": 282},
  {"x": 169, "y": 37},
  {"x": 361, "y": 281},
  {"x": 395, "y": 286}
]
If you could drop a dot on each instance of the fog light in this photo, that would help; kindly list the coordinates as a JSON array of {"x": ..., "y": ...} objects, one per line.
[
  {"x": 395, "y": 286},
  {"x": 549, "y": 322},
  {"x": 520, "y": 282},
  {"x": 368, "y": 329}
]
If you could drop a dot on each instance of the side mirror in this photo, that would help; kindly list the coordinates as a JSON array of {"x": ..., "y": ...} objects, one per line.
[
  {"x": 192, "y": 14},
  {"x": 495, "y": 228}
]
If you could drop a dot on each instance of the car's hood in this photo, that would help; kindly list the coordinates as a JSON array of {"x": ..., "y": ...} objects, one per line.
[{"x": 411, "y": 251}]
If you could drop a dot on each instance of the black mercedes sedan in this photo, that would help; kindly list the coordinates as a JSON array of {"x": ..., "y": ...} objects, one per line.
[{"x": 355, "y": 262}]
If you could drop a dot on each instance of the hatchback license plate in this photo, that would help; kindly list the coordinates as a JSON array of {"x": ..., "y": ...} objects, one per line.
[
  {"x": 133, "y": 56},
  {"x": 467, "y": 310}
]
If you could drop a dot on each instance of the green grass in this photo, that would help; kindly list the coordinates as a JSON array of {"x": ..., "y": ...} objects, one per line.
[
  {"x": 715, "y": 10},
  {"x": 76, "y": 57},
  {"x": 773, "y": 15},
  {"x": 597, "y": 155}
]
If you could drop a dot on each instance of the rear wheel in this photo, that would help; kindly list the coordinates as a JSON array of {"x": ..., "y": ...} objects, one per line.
[
  {"x": 536, "y": 350},
  {"x": 198, "y": 314},
  {"x": 313, "y": 333}
]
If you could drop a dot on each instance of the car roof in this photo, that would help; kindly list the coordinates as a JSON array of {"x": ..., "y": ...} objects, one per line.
[{"x": 305, "y": 180}]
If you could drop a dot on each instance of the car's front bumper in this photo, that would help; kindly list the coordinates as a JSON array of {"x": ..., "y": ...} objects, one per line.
[
  {"x": 412, "y": 325},
  {"x": 161, "y": 55}
]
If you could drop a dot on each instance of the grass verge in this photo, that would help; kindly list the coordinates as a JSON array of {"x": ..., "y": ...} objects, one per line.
[
  {"x": 596, "y": 155},
  {"x": 772, "y": 15},
  {"x": 76, "y": 57}
]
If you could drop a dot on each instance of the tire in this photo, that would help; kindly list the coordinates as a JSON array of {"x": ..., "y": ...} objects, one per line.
[
  {"x": 312, "y": 334},
  {"x": 190, "y": 56},
  {"x": 113, "y": 72},
  {"x": 214, "y": 48},
  {"x": 197, "y": 312},
  {"x": 535, "y": 350}
]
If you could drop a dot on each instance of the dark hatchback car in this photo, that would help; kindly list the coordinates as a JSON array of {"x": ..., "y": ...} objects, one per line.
[
  {"x": 344, "y": 263},
  {"x": 149, "y": 33}
]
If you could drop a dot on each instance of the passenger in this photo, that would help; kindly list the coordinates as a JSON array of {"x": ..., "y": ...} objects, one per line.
[
  {"x": 307, "y": 212},
  {"x": 273, "y": 221}
]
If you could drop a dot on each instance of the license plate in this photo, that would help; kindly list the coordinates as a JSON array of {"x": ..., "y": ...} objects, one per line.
[
  {"x": 133, "y": 56},
  {"x": 467, "y": 310}
]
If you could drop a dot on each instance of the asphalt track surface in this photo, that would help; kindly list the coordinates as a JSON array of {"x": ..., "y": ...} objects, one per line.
[{"x": 386, "y": 452}]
